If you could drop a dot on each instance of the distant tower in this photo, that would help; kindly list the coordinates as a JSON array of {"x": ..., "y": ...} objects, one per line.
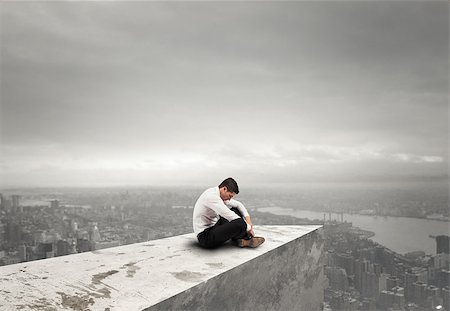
[
  {"x": 7, "y": 205},
  {"x": 15, "y": 203},
  {"x": 2, "y": 202},
  {"x": 13, "y": 233},
  {"x": 94, "y": 234},
  {"x": 74, "y": 226},
  {"x": 54, "y": 204},
  {"x": 442, "y": 244},
  {"x": 446, "y": 297}
]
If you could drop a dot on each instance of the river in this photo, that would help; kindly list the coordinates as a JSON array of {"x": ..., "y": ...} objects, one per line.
[{"x": 400, "y": 234}]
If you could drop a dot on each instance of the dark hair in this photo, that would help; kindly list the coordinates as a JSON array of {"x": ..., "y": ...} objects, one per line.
[{"x": 231, "y": 185}]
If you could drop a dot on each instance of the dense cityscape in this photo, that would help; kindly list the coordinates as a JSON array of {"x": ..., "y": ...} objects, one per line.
[
  {"x": 364, "y": 275},
  {"x": 360, "y": 274}
]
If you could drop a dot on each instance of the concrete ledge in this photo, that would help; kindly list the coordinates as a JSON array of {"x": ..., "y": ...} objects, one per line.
[{"x": 285, "y": 273}]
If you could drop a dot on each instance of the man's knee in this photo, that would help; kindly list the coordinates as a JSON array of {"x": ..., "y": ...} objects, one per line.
[{"x": 240, "y": 224}]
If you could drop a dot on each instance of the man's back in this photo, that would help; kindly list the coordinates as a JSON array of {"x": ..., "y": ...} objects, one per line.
[{"x": 208, "y": 208}]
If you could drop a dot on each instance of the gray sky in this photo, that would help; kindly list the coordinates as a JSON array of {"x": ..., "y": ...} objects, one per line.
[{"x": 121, "y": 93}]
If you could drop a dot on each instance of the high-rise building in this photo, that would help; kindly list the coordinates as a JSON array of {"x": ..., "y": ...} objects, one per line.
[
  {"x": 382, "y": 282},
  {"x": 94, "y": 234},
  {"x": 83, "y": 245},
  {"x": 442, "y": 244},
  {"x": 62, "y": 248},
  {"x": 15, "y": 203},
  {"x": 446, "y": 297},
  {"x": 370, "y": 284},
  {"x": 420, "y": 293},
  {"x": 329, "y": 259},
  {"x": 442, "y": 278},
  {"x": 432, "y": 290},
  {"x": 434, "y": 298},
  {"x": 6, "y": 205},
  {"x": 391, "y": 282},
  {"x": 386, "y": 300},
  {"x": 360, "y": 267},
  {"x": 379, "y": 254},
  {"x": 13, "y": 233},
  {"x": 54, "y": 204},
  {"x": 441, "y": 260},
  {"x": 345, "y": 261},
  {"x": 377, "y": 269},
  {"x": 368, "y": 304},
  {"x": 49, "y": 250},
  {"x": 410, "y": 279},
  {"x": 399, "y": 300},
  {"x": 73, "y": 225},
  {"x": 337, "y": 278},
  {"x": 391, "y": 299}
]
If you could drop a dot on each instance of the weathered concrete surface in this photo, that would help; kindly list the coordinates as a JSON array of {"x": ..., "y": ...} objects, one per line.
[
  {"x": 289, "y": 277},
  {"x": 285, "y": 273}
]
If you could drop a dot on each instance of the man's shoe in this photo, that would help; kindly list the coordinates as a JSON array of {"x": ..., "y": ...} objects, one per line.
[{"x": 253, "y": 242}]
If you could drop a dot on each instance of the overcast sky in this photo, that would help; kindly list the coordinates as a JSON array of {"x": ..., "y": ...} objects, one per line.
[{"x": 130, "y": 93}]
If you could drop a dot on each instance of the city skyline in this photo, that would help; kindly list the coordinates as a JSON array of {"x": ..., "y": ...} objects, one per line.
[{"x": 118, "y": 93}]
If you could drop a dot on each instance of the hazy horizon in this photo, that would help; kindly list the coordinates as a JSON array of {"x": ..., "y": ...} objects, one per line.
[
  {"x": 429, "y": 181},
  {"x": 100, "y": 94}
]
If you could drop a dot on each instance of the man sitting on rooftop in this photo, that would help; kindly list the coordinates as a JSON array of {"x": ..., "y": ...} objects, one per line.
[{"x": 218, "y": 218}]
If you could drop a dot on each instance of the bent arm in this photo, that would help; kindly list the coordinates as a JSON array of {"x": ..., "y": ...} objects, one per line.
[
  {"x": 218, "y": 206},
  {"x": 234, "y": 203}
]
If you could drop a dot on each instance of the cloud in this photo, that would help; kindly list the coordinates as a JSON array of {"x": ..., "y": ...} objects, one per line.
[
  {"x": 286, "y": 87},
  {"x": 416, "y": 158}
]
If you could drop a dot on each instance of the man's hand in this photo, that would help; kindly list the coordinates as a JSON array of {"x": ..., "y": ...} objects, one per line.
[{"x": 251, "y": 233}]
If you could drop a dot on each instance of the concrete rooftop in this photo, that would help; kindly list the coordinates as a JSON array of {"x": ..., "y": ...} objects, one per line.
[{"x": 130, "y": 277}]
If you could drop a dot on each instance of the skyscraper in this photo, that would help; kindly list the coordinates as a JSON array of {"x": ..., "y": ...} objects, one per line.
[
  {"x": 446, "y": 297},
  {"x": 420, "y": 293},
  {"x": 442, "y": 244},
  {"x": 94, "y": 234},
  {"x": 15, "y": 202},
  {"x": 410, "y": 279}
]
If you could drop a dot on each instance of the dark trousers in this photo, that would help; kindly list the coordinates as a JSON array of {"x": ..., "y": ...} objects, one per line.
[{"x": 223, "y": 231}]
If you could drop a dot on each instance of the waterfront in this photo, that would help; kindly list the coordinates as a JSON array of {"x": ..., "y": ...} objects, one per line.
[{"x": 400, "y": 234}]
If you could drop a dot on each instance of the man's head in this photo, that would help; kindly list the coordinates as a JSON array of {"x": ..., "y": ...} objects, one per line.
[{"x": 228, "y": 189}]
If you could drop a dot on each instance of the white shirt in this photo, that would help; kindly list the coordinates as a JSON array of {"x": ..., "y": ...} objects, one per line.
[{"x": 210, "y": 206}]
